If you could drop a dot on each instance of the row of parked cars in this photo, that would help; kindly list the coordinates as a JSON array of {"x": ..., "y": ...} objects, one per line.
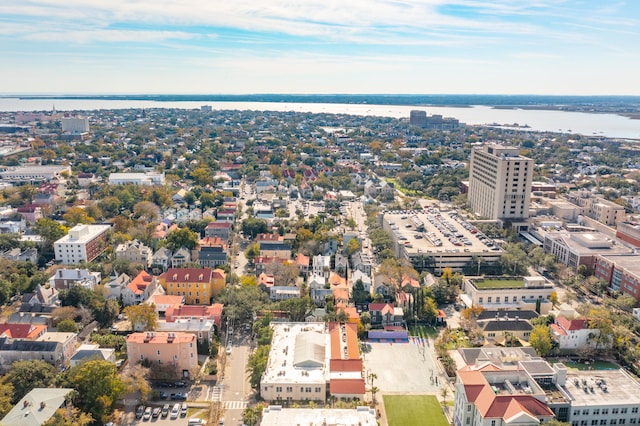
[{"x": 146, "y": 413}]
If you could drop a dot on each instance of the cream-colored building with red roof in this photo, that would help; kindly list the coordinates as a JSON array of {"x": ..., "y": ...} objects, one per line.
[
  {"x": 486, "y": 397},
  {"x": 176, "y": 351}
]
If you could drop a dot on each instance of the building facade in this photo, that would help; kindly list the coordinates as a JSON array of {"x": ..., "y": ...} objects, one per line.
[
  {"x": 500, "y": 182},
  {"x": 83, "y": 243},
  {"x": 198, "y": 286},
  {"x": 175, "y": 351}
]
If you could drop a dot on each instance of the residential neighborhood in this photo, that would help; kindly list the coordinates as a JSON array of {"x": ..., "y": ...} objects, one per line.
[{"x": 254, "y": 267}]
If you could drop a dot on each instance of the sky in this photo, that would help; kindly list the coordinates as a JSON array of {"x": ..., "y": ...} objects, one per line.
[{"x": 561, "y": 47}]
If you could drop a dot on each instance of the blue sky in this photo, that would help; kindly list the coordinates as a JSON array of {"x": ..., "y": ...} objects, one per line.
[{"x": 320, "y": 46}]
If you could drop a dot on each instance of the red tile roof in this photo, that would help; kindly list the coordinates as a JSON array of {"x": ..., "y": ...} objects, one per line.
[
  {"x": 22, "y": 331},
  {"x": 140, "y": 283},
  {"x": 567, "y": 324},
  {"x": 346, "y": 387}
]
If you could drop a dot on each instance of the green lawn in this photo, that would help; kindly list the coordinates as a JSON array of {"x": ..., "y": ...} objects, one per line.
[
  {"x": 408, "y": 410},
  {"x": 424, "y": 331},
  {"x": 499, "y": 283},
  {"x": 597, "y": 365}
]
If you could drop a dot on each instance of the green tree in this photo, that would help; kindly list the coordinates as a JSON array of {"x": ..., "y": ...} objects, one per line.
[
  {"x": 540, "y": 339},
  {"x": 359, "y": 294},
  {"x": 353, "y": 246},
  {"x": 257, "y": 365},
  {"x": 241, "y": 303},
  {"x": 76, "y": 215},
  {"x": 142, "y": 317},
  {"x": 252, "y": 252},
  {"x": 6, "y": 392},
  {"x": 98, "y": 387},
  {"x": 49, "y": 229},
  {"x": 299, "y": 308},
  {"x": 69, "y": 416},
  {"x": 182, "y": 237},
  {"x": 67, "y": 326},
  {"x": 250, "y": 416},
  {"x": 430, "y": 310},
  {"x": 253, "y": 226},
  {"x": 29, "y": 374}
]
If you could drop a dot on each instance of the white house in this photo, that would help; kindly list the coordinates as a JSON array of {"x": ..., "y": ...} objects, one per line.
[{"x": 573, "y": 333}]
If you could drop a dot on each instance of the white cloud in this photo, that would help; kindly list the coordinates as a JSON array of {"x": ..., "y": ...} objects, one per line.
[{"x": 109, "y": 36}]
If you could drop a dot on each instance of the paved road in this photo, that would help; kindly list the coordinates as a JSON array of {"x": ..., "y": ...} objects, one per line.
[{"x": 236, "y": 389}]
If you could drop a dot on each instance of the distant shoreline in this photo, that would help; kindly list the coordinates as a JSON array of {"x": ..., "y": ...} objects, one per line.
[{"x": 627, "y": 106}]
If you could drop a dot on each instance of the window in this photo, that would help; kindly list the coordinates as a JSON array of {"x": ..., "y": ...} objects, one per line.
[
  {"x": 594, "y": 422},
  {"x": 289, "y": 389},
  {"x": 613, "y": 422},
  {"x": 634, "y": 410},
  {"x": 596, "y": 411},
  {"x": 632, "y": 421},
  {"x": 318, "y": 390},
  {"x": 515, "y": 299},
  {"x": 614, "y": 411},
  {"x": 489, "y": 301},
  {"x": 492, "y": 334},
  {"x": 308, "y": 390},
  {"x": 278, "y": 388},
  {"x": 603, "y": 422},
  {"x": 576, "y": 412},
  {"x": 498, "y": 299},
  {"x": 480, "y": 300},
  {"x": 605, "y": 411},
  {"x": 468, "y": 420},
  {"x": 623, "y": 410},
  {"x": 266, "y": 388},
  {"x": 158, "y": 351},
  {"x": 493, "y": 423},
  {"x": 621, "y": 421},
  {"x": 468, "y": 408},
  {"x": 585, "y": 412}
]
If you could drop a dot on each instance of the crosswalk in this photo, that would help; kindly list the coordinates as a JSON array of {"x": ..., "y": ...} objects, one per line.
[
  {"x": 216, "y": 393},
  {"x": 235, "y": 405}
]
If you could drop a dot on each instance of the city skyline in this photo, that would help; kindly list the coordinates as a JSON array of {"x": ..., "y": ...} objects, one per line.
[{"x": 356, "y": 46}]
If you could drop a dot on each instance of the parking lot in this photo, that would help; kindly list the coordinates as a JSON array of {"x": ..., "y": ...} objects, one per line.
[{"x": 403, "y": 367}]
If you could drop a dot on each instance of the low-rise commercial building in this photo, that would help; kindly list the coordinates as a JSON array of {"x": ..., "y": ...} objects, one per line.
[
  {"x": 142, "y": 179},
  {"x": 526, "y": 293},
  {"x": 436, "y": 239}
]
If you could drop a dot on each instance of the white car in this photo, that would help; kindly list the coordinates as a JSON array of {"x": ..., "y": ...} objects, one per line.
[
  {"x": 229, "y": 350},
  {"x": 175, "y": 411}
]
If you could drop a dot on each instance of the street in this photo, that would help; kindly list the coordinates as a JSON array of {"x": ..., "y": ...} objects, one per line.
[{"x": 236, "y": 389}]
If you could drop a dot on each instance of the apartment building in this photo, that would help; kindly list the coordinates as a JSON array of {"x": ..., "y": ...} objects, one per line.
[
  {"x": 75, "y": 124},
  {"x": 198, "y": 286},
  {"x": 175, "y": 351},
  {"x": 500, "y": 182},
  {"x": 35, "y": 174},
  {"x": 83, "y": 243}
]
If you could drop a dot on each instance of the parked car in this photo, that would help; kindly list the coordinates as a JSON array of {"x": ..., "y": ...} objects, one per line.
[
  {"x": 180, "y": 384},
  {"x": 229, "y": 350},
  {"x": 175, "y": 411},
  {"x": 147, "y": 413},
  {"x": 183, "y": 409},
  {"x": 179, "y": 396},
  {"x": 140, "y": 412},
  {"x": 165, "y": 410},
  {"x": 156, "y": 412}
]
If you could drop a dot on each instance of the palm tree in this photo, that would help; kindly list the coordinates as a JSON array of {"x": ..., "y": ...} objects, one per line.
[
  {"x": 374, "y": 390},
  {"x": 444, "y": 392}
]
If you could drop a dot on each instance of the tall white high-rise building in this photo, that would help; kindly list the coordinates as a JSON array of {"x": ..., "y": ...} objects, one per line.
[
  {"x": 75, "y": 124},
  {"x": 500, "y": 182}
]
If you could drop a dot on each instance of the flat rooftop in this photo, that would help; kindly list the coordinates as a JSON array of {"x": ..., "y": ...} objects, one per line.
[
  {"x": 434, "y": 231},
  {"x": 278, "y": 416},
  {"x": 601, "y": 387},
  {"x": 497, "y": 283},
  {"x": 299, "y": 354}
]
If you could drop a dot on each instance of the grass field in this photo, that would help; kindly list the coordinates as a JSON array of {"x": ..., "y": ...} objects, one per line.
[
  {"x": 409, "y": 410},
  {"x": 423, "y": 331},
  {"x": 499, "y": 283}
]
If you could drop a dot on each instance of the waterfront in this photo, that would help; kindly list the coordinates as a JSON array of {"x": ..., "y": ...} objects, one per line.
[{"x": 596, "y": 124}]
